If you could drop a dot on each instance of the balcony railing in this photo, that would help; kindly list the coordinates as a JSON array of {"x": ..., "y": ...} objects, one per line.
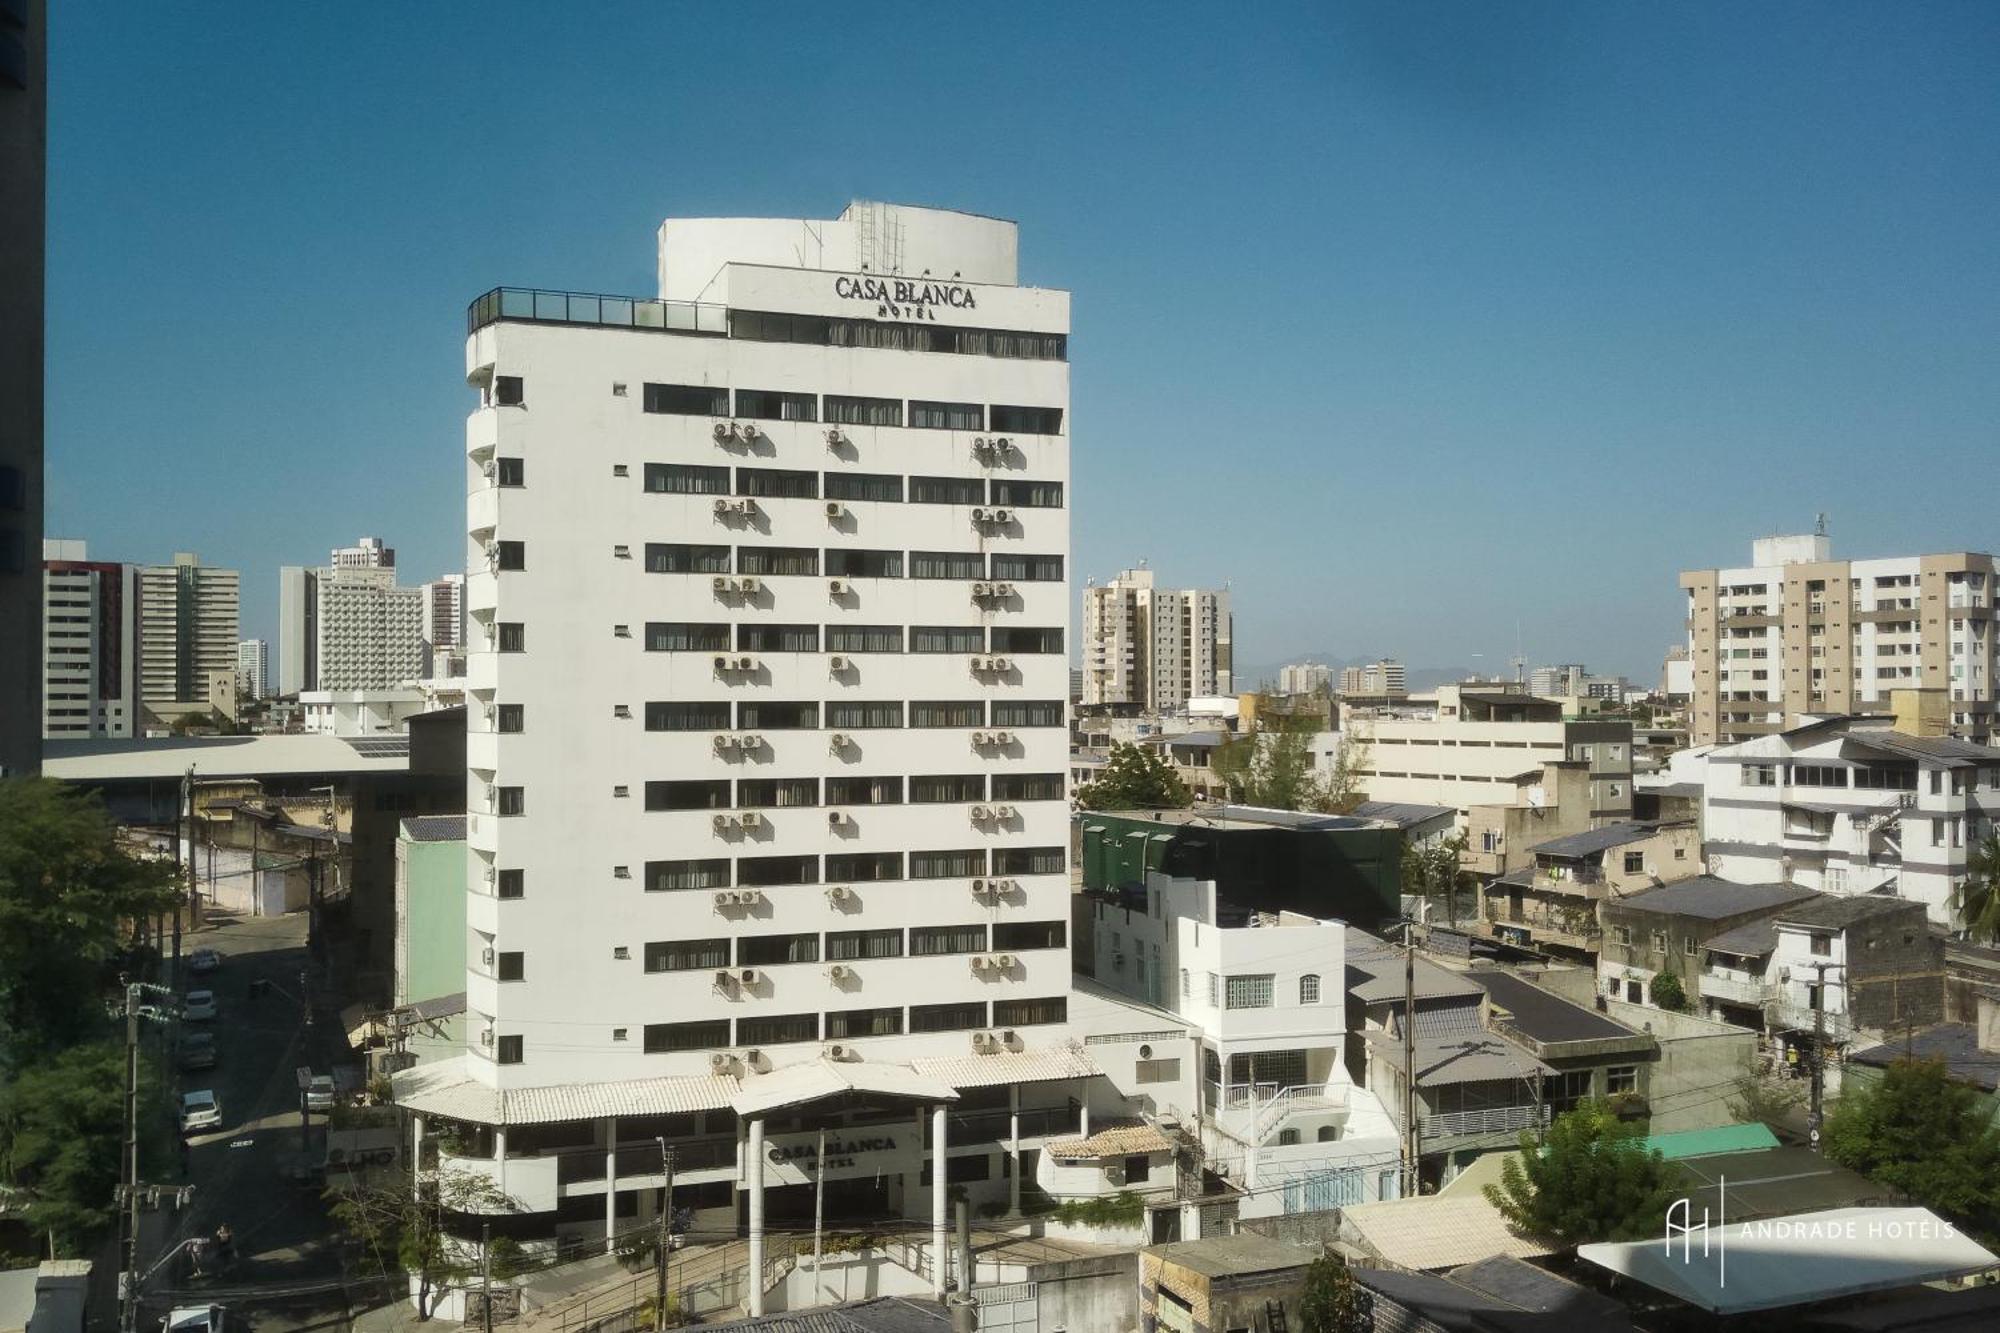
[
  {"x": 1734, "y": 988},
  {"x": 528, "y": 305},
  {"x": 1783, "y": 1015},
  {"x": 1488, "y": 1120}
]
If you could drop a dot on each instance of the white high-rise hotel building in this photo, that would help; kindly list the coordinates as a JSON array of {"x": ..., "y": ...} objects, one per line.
[{"x": 766, "y": 675}]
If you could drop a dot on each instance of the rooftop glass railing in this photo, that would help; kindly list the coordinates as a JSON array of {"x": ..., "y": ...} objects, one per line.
[{"x": 532, "y": 306}]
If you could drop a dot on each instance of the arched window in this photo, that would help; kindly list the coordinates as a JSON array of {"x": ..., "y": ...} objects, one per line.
[
  {"x": 1327, "y": 1133},
  {"x": 1309, "y": 988}
]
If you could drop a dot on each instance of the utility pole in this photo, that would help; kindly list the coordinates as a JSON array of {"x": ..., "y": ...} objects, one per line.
[
  {"x": 819, "y": 1194},
  {"x": 486, "y": 1274},
  {"x": 665, "y": 1234},
  {"x": 1411, "y": 1173},
  {"x": 129, "y": 1164},
  {"x": 1818, "y": 1069}
]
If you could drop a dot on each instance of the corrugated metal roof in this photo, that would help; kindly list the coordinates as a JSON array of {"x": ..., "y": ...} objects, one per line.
[
  {"x": 211, "y": 757},
  {"x": 443, "y": 1088},
  {"x": 815, "y": 1079},
  {"x": 1003, "y": 1067},
  {"x": 1589, "y": 841},
  {"x": 1712, "y": 898},
  {"x": 1474, "y": 1058},
  {"x": 1947, "y": 751},
  {"x": 1711, "y": 1142},
  {"x": 1117, "y": 1141},
  {"x": 1437, "y": 1231},
  {"x": 1752, "y": 941}
]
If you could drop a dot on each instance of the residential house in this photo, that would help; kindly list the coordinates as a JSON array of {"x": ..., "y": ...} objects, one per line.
[
  {"x": 1970, "y": 1053},
  {"x": 1667, "y": 930},
  {"x": 1553, "y": 904},
  {"x": 1547, "y": 801}
]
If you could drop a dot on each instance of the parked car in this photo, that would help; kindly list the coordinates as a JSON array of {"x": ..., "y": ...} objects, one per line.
[
  {"x": 200, "y": 1110},
  {"x": 196, "y": 1319},
  {"x": 203, "y": 961},
  {"x": 199, "y": 1007},
  {"x": 198, "y": 1050},
  {"x": 319, "y": 1093}
]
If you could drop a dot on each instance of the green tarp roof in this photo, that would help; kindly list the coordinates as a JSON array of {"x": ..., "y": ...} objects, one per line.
[{"x": 1708, "y": 1142}]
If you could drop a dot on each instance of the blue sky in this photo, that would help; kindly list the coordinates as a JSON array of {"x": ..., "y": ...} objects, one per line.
[{"x": 1415, "y": 321}]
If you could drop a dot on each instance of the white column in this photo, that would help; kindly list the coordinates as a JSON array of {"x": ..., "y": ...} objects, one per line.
[
  {"x": 500, "y": 1156},
  {"x": 756, "y": 1184},
  {"x": 610, "y": 1184},
  {"x": 1014, "y": 1148},
  {"x": 938, "y": 1201}
]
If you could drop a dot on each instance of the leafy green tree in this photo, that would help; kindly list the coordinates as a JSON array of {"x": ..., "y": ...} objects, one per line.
[
  {"x": 1766, "y": 1101},
  {"x": 1589, "y": 1179},
  {"x": 400, "y": 1225},
  {"x": 1431, "y": 870},
  {"x": 62, "y": 1127},
  {"x": 1344, "y": 789},
  {"x": 1331, "y": 1302},
  {"x": 1668, "y": 993},
  {"x": 1926, "y": 1135},
  {"x": 67, "y": 887},
  {"x": 1135, "y": 777},
  {"x": 1977, "y": 899}
]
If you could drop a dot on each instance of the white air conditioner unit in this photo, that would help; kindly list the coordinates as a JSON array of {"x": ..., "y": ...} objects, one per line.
[
  {"x": 1001, "y": 516},
  {"x": 749, "y": 586},
  {"x": 979, "y": 445},
  {"x": 723, "y": 507},
  {"x": 1003, "y": 590},
  {"x": 750, "y": 819},
  {"x": 838, "y": 741},
  {"x": 722, "y": 664},
  {"x": 486, "y": 957},
  {"x": 980, "y": 515},
  {"x": 621, "y": 872},
  {"x": 753, "y": 1058},
  {"x": 834, "y": 509},
  {"x": 1003, "y": 738},
  {"x": 1003, "y": 962},
  {"x": 840, "y": 972},
  {"x": 725, "y": 898},
  {"x": 621, "y": 710},
  {"x": 725, "y": 979},
  {"x": 983, "y": 1042},
  {"x": 1003, "y": 813},
  {"x": 837, "y": 663},
  {"x": 981, "y": 738},
  {"x": 486, "y": 1036},
  {"x": 746, "y": 664},
  {"x": 723, "y": 744},
  {"x": 981, "y": 590},
  {"x": 720, "y": 584},
  {"x": 751, "y": 430},
  {"x": 834, "y": 438},
  {"x": 837, "y": 588},
  {"x": 980, "y": 888},
  {"x": 998, "y": 664},
  {"x": 722, "y": 823},
  {"x": 746, "y": 506},
  {"x": 1011, "y": 1039},
  {"x": 747, "y": 977},
  {"x": 751, "y": 741},
  {"x": 979, "y": 663},
  {"x": 980, "y": 814},
  {"x": 1003, "y": 444},
  {"x": 838, "y": 819},
  {"x": 721, "y": 1062},
  {"x": 840, "y": 893},
  {"x": 749, "y": 897},
  {"x": 1003, "y": 885},
  {"x": 721, "y": 431},
  {"x": 839, "y": 1052},
  {"x": 979, "y": 962}
]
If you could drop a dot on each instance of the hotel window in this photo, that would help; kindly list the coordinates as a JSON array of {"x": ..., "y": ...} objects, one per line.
[
  {"x": 947, "y": 865},
  {"x": 1309, "y": 989},
  {"x": 686, "y": 479},
  {"x": 1635, "y": 863},
  {"x": 944, "y": 713},
  {"x": 777, "y": 638},
  {"x": 1028, "y": 568},
  {"x": 1822, "y": 944},
  {"x": 947, "y": 639},
  {"x": 508, "y": 391},
  {"x": 849, "y": 1023},
  {"x": 947, "y": 491},
  {"x": 947, "y": 416},
  {"x": 696, "y": 715},
  {"x": 1028, "y": 494},
  {"x": 763, "y": 872},
  {"x": 513, "y": 637},
  {"x": 865, "y": 639},
  {"x": 512, "y": 801},
  {"x": 671, "y": 876},
  {"x": 842, "y": 562},
  {"x": 1030, "y": 1013},
  {"x": 770, "y": 483},
  {"x": 1015, "y": 639},
  {"x": 1760, "y": 775},
  {"x": 771, "y": 405},
  {"x": 1818, "y": 775},
  {"x": 777, "y": 560},
  {"x": 1027, "y": 713},
  {"x": 947, "y": 789},
  {"x": 948, "y": 1017},
  {"x": 510, "y": 555},
  {"x": 1013, "y": 935},
  {"x": 1659, "y": 941},
  {"x": 509, "y": 884},
  {"x": 777, "y": 1030},
  {"x": 688, "y": 400},
  {"x": 675, "y": 636},
  {"x": 1621, "y": 935},
  {"x": 846, "y": 411},
  {"x": 864, "y": 791},
  {"x": 878, "y": 486},
  {"x": 853, "y": 715},
  {"x": 776, "y": 950},
  {"x": 509, "y": 1050},
  {"x": 510, "y": 966},
  {"x": 1621, "y": 1078},
  {"x": 1248, "y": 992},
  {"x": 1026, "y": 420},
  {"x": 680, "y": 558},
  {"x": 1187, "y": 989},
  {"x": 947, "y": 565},
  {"x": 687, "y": 794},
  {"x": 849, "y": 946},
  {"x": 512, "y": 718},
  {"x": 776, "y": 793},
  {"x": 768, "y": 715},
  {"x": 1214, "y": 986},
  {"x": 931, "y": 941},
  {"x": 510, "y": 472},
  {"x": 687, "y": 955},
  {"x": 661, "y": 1038},
  {"x": 1029, "y": 860},
  {"x": 863, "y": 867},
  {"x": 1029, "y": 787}
]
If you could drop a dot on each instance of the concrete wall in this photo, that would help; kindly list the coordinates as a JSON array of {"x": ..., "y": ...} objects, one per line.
[
  {"x": 1691, "y": 1084},
  {"x": 1095, "y": 1295},
  {"x": 430, "y": 919}
]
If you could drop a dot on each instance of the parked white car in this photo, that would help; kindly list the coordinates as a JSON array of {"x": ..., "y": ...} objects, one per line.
[
  {"x": 199, "y": 1007},
  {"x": 203, "y": 961},
  {"x": 200, "y": 1110},
  {"x": 319, "y": 1093}
]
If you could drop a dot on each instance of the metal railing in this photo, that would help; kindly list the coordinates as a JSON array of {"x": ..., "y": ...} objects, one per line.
[
  {"x": 534, "y": 306},
  {"x": 1487, "y": 1120}
]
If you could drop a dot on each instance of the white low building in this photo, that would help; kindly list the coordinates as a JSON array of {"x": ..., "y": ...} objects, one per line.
[{"x": 361, "y": 712}]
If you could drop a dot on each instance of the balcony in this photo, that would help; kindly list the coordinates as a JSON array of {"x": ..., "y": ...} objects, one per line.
[
  {"x": 1486, "y": 1120},
  {"x": 530, "y": 306},
  {"x": 1787, "y": 1016},
  {"x": 1733, "y": 987}
]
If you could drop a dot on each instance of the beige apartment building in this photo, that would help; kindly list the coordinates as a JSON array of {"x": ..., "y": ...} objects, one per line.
[
  {"x": 1797, "y": 633},
  {"x": 187, "y": 618},
  {"x": 1155, "y": 647}
]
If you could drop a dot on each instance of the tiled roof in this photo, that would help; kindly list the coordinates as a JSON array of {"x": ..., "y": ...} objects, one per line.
[
  {"x": 1117, "y": 1141},
  {"x": 1436, "y": 1231},
  {"x": 1002, "y": 1067},
  {"x": 435, "y": 828},
  {"x": 443, "y": 1088}
]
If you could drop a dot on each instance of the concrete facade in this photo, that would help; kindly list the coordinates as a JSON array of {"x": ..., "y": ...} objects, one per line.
[
  {"x": 1155, "y": 647},
  {"x": 187, "y": 619},
  {"x": 24, "y": 129}
]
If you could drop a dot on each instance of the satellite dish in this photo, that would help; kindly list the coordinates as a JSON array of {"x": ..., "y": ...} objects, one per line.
[{"x": 1538, "y": 797}]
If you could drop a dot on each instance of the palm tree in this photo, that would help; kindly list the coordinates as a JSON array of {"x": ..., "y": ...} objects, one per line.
[{"x": 1977, "y": 899}]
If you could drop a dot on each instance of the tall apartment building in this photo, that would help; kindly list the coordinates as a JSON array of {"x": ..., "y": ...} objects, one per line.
[
  {"x": 1384, "y": 679},
  {"x": 24, "y": 125},
  {"x": 367, "y": 553},
  {"x": 444, "y": 626},
  {"x": 1155, "y": 647},
  {"x": 766, "y": 750},
  {"x": 348, "y": 625},
  {"x": 253, "y": 668},
  {"x": 187, "y": 617},
  {"x": 1304, "y": 677},
  {"x": 1553, "y": 682},
  {"x": 1797, "y": 634},
  {"x": 89, "y": 644}
]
